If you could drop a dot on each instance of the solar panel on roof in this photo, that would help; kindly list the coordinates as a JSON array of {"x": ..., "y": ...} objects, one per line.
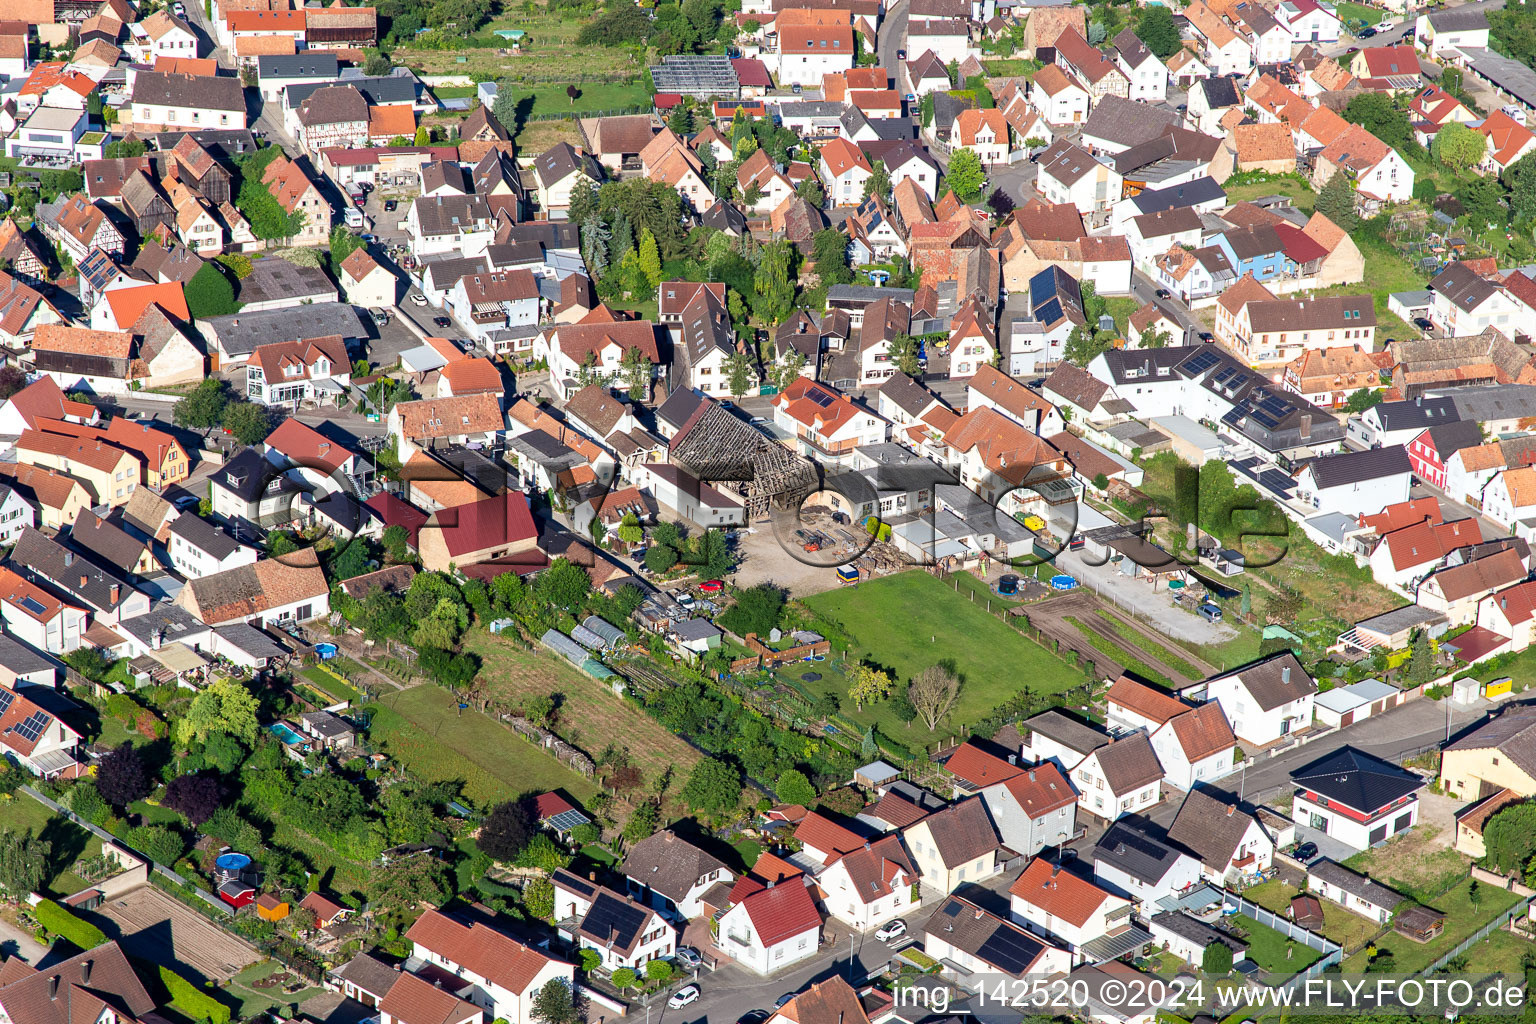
[
  {"x": 951, "y": 909},
  {"x": 821, "y": 398},
  {"x": 1009, "y": 950},
  {"x": 6, "y": 696},
  {"x": 32, "y": 605},
  {"x": 1201, "y": 361},
  {"x": 567, "y": 820},
  {"x": 33, "y": 727}
]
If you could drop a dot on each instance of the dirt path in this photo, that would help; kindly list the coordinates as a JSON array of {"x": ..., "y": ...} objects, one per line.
[{"x": 1058, "y": 618}]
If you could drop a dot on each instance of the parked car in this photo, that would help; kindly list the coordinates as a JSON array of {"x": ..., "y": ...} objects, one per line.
[
  {"x": 418, "y": 299},
  {"x": 778, "y": 1004},
  {"x": 187, "y": 501},
  {"x": 712, "y": 586},
  {"x": 687, "y": 955},
  {"x": 390, "y": 206},
  {"x": 901, "y": 54},
  {"x": 441, "y": 321},
  {"x": 1209, "y": 612},
  {"x": 753, "y": 1017},
  {"x": 683, "y": 996},
  {"x": 1305, "y": 853},
  {"x": 894, "y": 930},
  {"x": 1163, "y": 293},
  {"x": 380, "y": 317},
  {"x": 1423, "y": 324},
  {"x": 1366, "y": 33}
]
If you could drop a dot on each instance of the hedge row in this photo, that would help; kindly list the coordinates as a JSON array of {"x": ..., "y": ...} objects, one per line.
[
  {"x": 191, "y": 1000},
  {"x": 58, "y": 921}
]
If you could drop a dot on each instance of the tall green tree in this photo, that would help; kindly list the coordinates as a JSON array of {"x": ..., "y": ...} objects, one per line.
[
  {"x": 966, "y": 175},
  {"x": 1459, "y": 147},
  {"x": 829, "y": 253},
  {"x": 223, "y": 706},
  {"x": 713, "y": 787},
  {"x": 209, "y": 293},
  {"x": 203, "y": 407},
  {"x": 650, "y": 258},
  {"x": 1157, "y": 29},
  {"x": 738, "y": 371},
  {"x": 775, "y": 290},
  {"x": 1337, "y": 202},
  {"x": 879, "y": 181},
  {"x": 904, "y": 354},
  {"x": 1378, "y": 114},
  {"x": 24, "y": 860}
]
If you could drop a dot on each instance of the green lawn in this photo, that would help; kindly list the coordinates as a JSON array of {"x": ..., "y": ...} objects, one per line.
[
  {"x": 68, "y": 841},
  {"x": 423, "y": 728},
  {"x": 748, "y": 850},
  {"x": 910, "y": 621},
  {"x": 1350, "y": 11},
  {"x": 1301, "y": 195},
  {"x": 1003, "y": 68},
  {"x": 254, "y": 1001},
  {"x": 1462, "y": 918},
  {"x": 330, "y": 684},
  {"x": 1348, "y": 930},
  {"x": 1267, "y": 948}
]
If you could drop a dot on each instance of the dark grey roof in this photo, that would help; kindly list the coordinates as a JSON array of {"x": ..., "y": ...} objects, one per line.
[
  {"x": 1219, "y": 92},
  {"x": 811, "y": 108},
  {"x": 241, "y": 333},
  {"x": 1138, "y": 854},
  {"x": 451, "y": 214},
  {"x": 174, "y": 624},
  {"x": 562, "y": 160},
  {"x": 1191, "y": 193},
  {"x": 724, "y": 216},
  {"x": 1356, "y": 779},
  {"x": 863, "y": 294},
  {"x": 1416, "y": 414},
  {"x": 38, "y": 556},
  {"x": 249, "y": 639},
  {"x": 1458, "y": 19},
  {"x": 1068, "y": 731},
  {"x": 377, "y": 91},
  {"x": 368, "y": 973},
  {"x": 1146, "y": 364},
  {"x": 679, "y": 406},
  {"x": 1129, "y": 763},
  {"x": 669, "y": 864},
  {"x": 164, "y": 89},
  {"x": 444, "y": 273},
  {"x": 317, "y": 64},
  {"x": 275, "y": 278},
  {"x": 1495, "y": 402},
  {"x": 1127, "y": 122},
  {"x": 1374, "y": 893},
  {"x": 1459, "y": 283},
  {"x": 1273, "y": 681},
  {"x": 247, "y": 475},
  {"x": 1130, "y": 48},
  {"x": 1210, "y": 824},
  {"x": 695, "y": 629},
  {"x": 1065, "y": 162},
  {"x": 1450, "y": 438},
  {"x": 1196, "y": 931},
  {"x": 1345, "y": 468},
  {"x": 105, "y": 543},
  {"x": 1001, "y": 945},
  {"x": 203, "y": 535},
  {"x": 22, "y": 659}
]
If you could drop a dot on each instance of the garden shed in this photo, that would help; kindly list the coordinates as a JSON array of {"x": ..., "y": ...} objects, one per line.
[{"x": 1421, "y": 924}]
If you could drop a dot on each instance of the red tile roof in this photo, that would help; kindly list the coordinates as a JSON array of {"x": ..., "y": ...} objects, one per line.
[
  {"x": 481, "y": 948},
  {"x": 1144, "y": 700},
  {"x": 1059, "y": 893},
  {"x": 978, "y": 767},
  {"x": 822, "y": 833},
  {"x": 481, "y": 525},
  {"x": 128, "y": 304},
  {"x": 781, "y": 912}
]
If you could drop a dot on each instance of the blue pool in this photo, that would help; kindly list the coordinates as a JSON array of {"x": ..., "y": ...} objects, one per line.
[
  {"x": 326, "y": 651},
  {"x": 284, "y": 733}
]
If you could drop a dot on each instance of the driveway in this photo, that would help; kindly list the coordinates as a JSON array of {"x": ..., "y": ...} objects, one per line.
[
  {"x": 1137, "y": 597},
  {"x": 15, "y": 941}
]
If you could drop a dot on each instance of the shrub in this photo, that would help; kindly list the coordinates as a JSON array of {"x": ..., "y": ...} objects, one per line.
[{"x": 58, "y": 921}]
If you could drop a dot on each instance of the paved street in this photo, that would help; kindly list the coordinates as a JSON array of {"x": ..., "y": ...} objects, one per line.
[
  {"x": 732, "y": 990},
  {"x": 892, "y": 35},
  {"x": 16, "y": 941}
]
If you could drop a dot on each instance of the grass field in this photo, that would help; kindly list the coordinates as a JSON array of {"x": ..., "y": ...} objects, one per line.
[
  {"x": 1414, "y": 863},
  {"x": 1267, "y": 948},
  {"x": 911, "y": 620},
  {"x": 330, "y": 684},
  {"x": 1301, "y": 195},
  {"x": 590, "y": 715},
  {"x": 1348, "y": 930},
  {"x": 1126, "y": 657},
  {"x": 1350, "y": 11},
  {"x": 1462, "y": 918},
  {"x": 423, "y": 728}
]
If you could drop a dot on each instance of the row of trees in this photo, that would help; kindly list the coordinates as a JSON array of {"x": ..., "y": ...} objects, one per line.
[{"x": 211, "y": 404}]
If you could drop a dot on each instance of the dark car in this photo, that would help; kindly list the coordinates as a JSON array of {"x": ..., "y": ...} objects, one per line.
[
  {"x": 901, "y": 54},
  {"x": 441, "y": 321},
  {"x": 1163, "y": 293},
  {"x": 1352, "y": 49},
  {"x": 390, "y": 206},
  {"x": 1305, "y": 853},
  {"x": 778, "y": 1004},
  {"x": 1366, "y": 33},
  {"x": 1423, "y": 324},
  {"x": 753, "y": 1017}
]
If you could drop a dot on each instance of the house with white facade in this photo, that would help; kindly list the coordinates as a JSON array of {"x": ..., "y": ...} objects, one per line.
[
  {"x": 1121, "y": 777},
  {"x": 1263, "y": 701},
  {"x": 1066, "y": 909},
  {"x": 623, "y": 931},
  {"x": 1196, "y": 746},
  {"x": 772, "y": 927},
  {"x": 871, "y": 885},
  {"x": 674, "y": 876},
  {"x": 507, "y": 975},
  {"x": 985, "y": 946},
  {"x": 1356, "y": 798},
  {"x": 1136, "y": 864},
  {"x": 1229, "y": 840}
]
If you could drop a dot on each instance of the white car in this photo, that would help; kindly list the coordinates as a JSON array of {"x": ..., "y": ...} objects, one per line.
[
  {"x": 418, "y": 298},
  {"x": 683, "y": 996},
  {"x": 895, "y": 929}
]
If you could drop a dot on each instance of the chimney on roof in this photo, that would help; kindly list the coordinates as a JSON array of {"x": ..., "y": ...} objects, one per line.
[
  {"x": 53, "y": 987},
  {"x": 69, "y": 559},
  {"x": 84, "y": 579},
  {"x": 116, "y": 590},
  {"x": 1285, "y": 673},
  {"x": 85, "y": 972}
]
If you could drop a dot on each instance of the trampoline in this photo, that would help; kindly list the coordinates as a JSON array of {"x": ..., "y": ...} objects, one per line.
[{"x": 1008, "y": 585}]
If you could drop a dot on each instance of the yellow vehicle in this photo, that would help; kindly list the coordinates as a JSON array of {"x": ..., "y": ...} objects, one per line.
[{"x": 1034, "y": 523}]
